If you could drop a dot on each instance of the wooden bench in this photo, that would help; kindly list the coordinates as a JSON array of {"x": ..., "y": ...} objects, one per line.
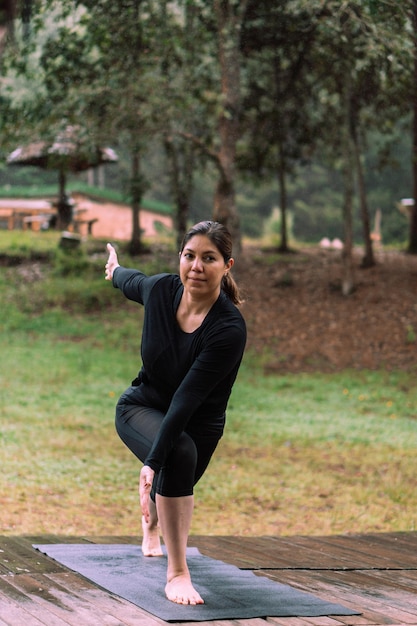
[
  {"x": 35, "y": 222},
  {"x": 82, "y": 222},
  {"x": 7, "y": 215}
]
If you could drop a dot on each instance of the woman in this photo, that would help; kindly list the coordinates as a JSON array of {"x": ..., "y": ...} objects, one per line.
[{"x": 173, "y": 414}]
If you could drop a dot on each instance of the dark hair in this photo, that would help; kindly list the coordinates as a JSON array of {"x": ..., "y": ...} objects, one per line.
[{"x": 222, "y": 239}]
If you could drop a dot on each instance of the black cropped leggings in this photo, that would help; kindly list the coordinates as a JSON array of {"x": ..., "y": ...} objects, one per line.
[{"x": 138, "y": 426}]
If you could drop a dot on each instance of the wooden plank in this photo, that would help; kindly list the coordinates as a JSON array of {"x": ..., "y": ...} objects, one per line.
[
  {"x": 378, "y": 551},
  {"x": 321, "y": 620},
  {"x": 353, "y": 590},
  {"x": 260, "y": 553},
  {"x": 316, "y": 554},
  {"x": 402, "y": 580},
  {"x": 60, "y": 606},
  {"x": 250, "y": 552},
  {"x": 305, "y": 581},
  {"x": 274, "y": 552},
  {"x": 355, "y": 620},
  {"x": 328, "y": 553},
  {"x": 12, "y": 615},
  {"x": 384, "y": 588},
  {"x": 402, "y": 545},
  {"x": 18, "y": 608},
  {"x": 304, "y": 621},
  {"x": 287, "y": 621},
  {"x": 18, "y": 556},
  {"x": 334, "y": 552},
  {"x": 254, "y": 621}
]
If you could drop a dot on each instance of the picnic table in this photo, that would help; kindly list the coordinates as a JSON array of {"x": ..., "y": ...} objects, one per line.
[
  {"x": 26, "y": 213},
  {"x": 37, "y": 215}
]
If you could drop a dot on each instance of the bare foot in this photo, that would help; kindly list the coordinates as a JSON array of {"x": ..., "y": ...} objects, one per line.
[
  {"x": 181, "y": 591},
  {"x": 151, "y": 543}
]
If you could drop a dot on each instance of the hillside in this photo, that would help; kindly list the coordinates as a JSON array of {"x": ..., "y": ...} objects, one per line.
[{"x": 296, "y": 312}]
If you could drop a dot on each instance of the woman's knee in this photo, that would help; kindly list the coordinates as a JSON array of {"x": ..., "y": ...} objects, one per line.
[
  {"x": 177, "y": 475},
  {"x": 184, "y": 455}
]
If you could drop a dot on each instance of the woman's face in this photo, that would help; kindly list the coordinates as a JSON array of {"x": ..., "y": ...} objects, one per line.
[{"x": 202, "y": 267}]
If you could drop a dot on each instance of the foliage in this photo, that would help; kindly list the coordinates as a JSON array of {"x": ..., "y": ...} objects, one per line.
[{"x": 150, "y": 72}]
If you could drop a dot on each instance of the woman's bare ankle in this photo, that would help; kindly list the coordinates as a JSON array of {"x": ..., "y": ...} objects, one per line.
[{"x": 151, "y": 542}]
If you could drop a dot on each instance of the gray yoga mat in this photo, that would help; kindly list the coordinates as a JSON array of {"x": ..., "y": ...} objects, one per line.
[{"x": 228, "y": 592}]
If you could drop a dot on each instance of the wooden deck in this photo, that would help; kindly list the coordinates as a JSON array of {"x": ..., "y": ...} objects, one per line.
[{"x": 375, "y": 574}]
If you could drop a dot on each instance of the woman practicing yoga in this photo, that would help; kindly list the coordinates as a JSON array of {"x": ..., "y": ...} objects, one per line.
[{"x": 173, "y": 414}]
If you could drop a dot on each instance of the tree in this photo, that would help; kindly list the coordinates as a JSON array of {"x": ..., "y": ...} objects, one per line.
[
  {"x": 213, "y": 100},
  {"x": 229, "y": 15},
  {"x": 373, "y": 92},
  {"x": 178, "y": 73},
  {"x": 277, "y": 41},
  {"x": 355, "y": 55},
  {"x": 181, "y": 44},
  {"x": 9, "y": 11},
  {"x": 7, "y": 15},
  {"x": 412, "y": 245},
  {"x": 98, "y": 73},
  {"x": 119, "y": 101}
]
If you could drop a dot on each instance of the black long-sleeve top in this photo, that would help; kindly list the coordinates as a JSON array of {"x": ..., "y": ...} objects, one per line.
[{"x": 188, "y": 376}]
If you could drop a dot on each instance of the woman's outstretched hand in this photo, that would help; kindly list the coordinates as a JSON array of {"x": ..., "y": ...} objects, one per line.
[
  {"x": 112, "y": 262},
  {"x": 145, "y": 485}
]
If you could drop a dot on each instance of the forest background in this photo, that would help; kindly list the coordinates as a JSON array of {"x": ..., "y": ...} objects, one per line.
[
  {"x": 220, "y": 108},
  {"x": 239, "y": 110}
]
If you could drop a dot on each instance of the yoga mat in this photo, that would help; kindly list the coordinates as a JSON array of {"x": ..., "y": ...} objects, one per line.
[{"x": 228, "y": 592}]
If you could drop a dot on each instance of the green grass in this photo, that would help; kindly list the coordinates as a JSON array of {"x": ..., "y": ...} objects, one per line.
[{"x": 305, "y": 453}]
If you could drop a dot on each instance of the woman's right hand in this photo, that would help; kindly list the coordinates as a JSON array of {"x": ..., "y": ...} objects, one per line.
[
  {"x": 145, "y": 485},
  {"x": 112, "y": 262}
]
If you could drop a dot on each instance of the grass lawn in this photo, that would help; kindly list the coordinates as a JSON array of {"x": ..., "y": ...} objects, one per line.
[{"x": 302, "y": 454}]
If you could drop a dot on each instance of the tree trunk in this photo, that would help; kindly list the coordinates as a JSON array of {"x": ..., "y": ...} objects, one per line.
[
  {"x": 135, "y": 245},
  {"x": 348, "y": 279},
  {"x": 228, "y": 26},
  {"x": 224, "y": 207},
  {"x": 412, "y": 245},
  {"x": 181, "y": 180},
  {"x": 368, "y": 259},
  {"x": 283, "y": 247},
  {"x": 7, "y": 19},
  {"x": 65, "y": 207}
]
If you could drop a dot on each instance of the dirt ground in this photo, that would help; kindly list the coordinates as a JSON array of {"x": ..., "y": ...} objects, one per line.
[
  {"x": 296, "y": 313},
  {"x": 295, "y": 310}
]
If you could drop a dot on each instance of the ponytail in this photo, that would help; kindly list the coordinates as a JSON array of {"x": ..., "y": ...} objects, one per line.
[{"x": 231, "y": 289}]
